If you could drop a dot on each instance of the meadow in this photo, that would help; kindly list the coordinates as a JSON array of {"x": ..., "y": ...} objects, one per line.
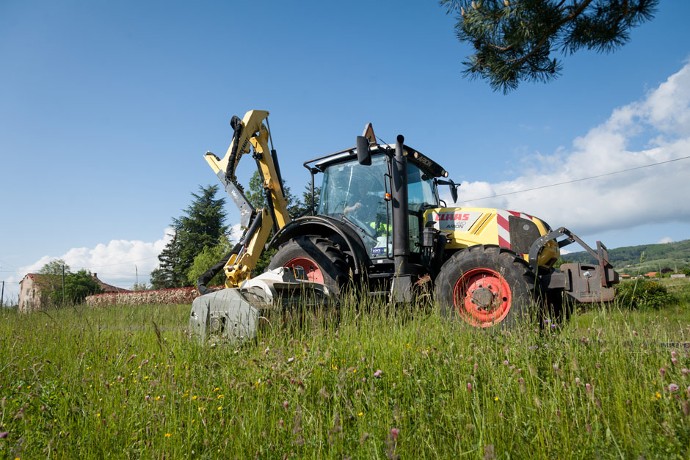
[{"x": 374, "y": 382}]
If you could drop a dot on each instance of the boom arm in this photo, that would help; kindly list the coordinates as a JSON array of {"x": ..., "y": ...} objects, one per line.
[{"x": 256, "y": 223}]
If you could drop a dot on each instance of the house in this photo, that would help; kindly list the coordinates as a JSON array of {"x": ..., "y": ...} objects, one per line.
[
  {"x": 30, "y": 293},
  {"x": 31, "y": 285}
]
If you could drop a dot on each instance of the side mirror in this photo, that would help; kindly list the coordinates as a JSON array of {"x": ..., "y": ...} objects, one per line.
[
  {"x": 452, "y": 186},
  {"x": 453, "y": 191},
  {"x": 363, "y": 153}
]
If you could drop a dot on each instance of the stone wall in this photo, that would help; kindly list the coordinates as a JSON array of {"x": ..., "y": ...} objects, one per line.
[{"x": 161, "y": 296}]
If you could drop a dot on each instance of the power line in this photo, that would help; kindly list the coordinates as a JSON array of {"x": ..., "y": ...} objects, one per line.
[{"x": 578, "y": 180}]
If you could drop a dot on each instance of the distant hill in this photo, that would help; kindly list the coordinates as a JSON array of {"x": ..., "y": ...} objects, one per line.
[{"x": 643, "y": 258}]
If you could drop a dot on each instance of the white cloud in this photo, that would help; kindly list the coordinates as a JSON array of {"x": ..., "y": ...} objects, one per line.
[
  {"x": 118, "y": 262},
  {"x": 666, "y": 239},
  {"x": 653, "y": 130}
]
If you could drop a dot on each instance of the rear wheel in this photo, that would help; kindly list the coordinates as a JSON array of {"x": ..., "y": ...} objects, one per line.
[
  {"x": 320, "y": 259},
  {"x": 484, "y": 286}
]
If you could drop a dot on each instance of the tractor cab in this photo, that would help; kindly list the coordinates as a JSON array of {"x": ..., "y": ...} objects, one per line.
[{"x": 363, "y": 191}]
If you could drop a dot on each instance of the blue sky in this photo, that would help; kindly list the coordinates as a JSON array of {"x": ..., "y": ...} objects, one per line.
[{"x": 106, "y": 109}]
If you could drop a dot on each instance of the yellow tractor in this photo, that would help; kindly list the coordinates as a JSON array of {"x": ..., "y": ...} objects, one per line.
[{"x": 381, "y": 224}]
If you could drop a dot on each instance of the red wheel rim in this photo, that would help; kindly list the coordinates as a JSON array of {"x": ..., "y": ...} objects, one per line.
[
  {"x": 482, "y": 297},
  {"x": 311, "y": 270}
]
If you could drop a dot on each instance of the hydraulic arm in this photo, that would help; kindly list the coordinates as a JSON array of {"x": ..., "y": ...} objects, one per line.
[{"x": 250, "y": 133}]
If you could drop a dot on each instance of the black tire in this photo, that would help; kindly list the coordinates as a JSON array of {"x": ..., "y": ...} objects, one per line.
[
  {"x": 485, "y": 286},
  {"x": 321, "y": 260}
]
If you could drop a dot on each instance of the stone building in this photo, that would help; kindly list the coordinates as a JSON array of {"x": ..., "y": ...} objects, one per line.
[{"x": 31, "y": 285}]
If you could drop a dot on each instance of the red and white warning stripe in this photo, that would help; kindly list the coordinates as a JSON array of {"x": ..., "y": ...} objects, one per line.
[{"x": 504, "y": 226}]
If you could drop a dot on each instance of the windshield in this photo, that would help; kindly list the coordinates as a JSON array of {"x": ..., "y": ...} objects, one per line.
[
  {"x": 350, "y": 187},
  {"x": 356, "y": 193}
]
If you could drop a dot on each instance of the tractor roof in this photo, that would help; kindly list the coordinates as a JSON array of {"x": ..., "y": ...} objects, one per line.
[{"x": 414, "y": 156}]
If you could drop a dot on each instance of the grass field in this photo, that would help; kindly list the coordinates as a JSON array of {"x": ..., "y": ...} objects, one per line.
[{"x": 129, "y": 383}]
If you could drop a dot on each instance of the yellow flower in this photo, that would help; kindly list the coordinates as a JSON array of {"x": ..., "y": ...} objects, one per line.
[
  {"x": 194, "y": 398},
  {"x": 361, "y": 414},
  {"x": 167, "y": 435},
  {"x": 220, "y": 407},
  {"x": 657, "y": 395},
  {"x": 495, "y": 398}
]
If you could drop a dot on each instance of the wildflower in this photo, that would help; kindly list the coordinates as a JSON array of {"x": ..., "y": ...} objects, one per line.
[
  {"x": 657, "y": 395},
  {"x": 469, "y": 387},
  {"x": 360, "y": 414},
  {"x": 555, "y": 366},
  {"x": 286, "y": 404},
  {"x": 577, "y": 381},
  {"x": 167, "y": 435},
  {"x": 4, "y": 434},
  {"x": 588, "y": 387},
  {"x": 194, "y": 397},
  {"x": 489, "y": 453},
  {"x": 662, "y": 371},
  {"x": 220, "y": 407},
  {"x": 685, "y": 371},
  {"x": 495, "y": 398},
  {"x": 394, "y": 434},
  {"x": 506, "y": 362},
  {"x": 378, "y": 373},
  {"x": 673, "y": 387}
]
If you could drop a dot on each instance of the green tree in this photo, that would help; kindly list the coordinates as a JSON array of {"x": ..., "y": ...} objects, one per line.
[
  {"x": 304, "y": 206},
  {"x": 167, "y": 274},
  {"x": 207, "y": 258},
  {"x": 514, "y": 40},
  {"x": 201, "y": 225},
  {"x": 59, "y": 286},
  {"x": 79, "y": 285},
  {"x": 50, "y": 282}
]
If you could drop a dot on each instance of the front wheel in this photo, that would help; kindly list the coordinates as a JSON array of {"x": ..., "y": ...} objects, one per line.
[
  {"x": 484, "y": 286},
  {"x": 321, "y": 261}
]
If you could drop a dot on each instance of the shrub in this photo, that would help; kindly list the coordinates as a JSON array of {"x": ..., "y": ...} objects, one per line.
[{"x": 644, "y": 294}]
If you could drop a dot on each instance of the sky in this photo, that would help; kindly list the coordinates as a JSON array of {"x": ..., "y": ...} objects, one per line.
[{"x": 106, "y": 110}]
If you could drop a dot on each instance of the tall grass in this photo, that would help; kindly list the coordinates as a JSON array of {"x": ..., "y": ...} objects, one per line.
[{"x": 373, "y": 382}]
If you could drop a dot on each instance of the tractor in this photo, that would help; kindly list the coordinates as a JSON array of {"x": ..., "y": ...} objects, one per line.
[{"x": 382, "y": 225}]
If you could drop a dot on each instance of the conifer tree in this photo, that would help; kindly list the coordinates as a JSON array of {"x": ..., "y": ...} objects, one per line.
[
  {"x": 202, "y": 225},
  {"x": 514, "y": 40}
]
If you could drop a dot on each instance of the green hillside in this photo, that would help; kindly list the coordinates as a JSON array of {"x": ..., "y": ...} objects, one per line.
[{"x": 644, "y": 258}]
